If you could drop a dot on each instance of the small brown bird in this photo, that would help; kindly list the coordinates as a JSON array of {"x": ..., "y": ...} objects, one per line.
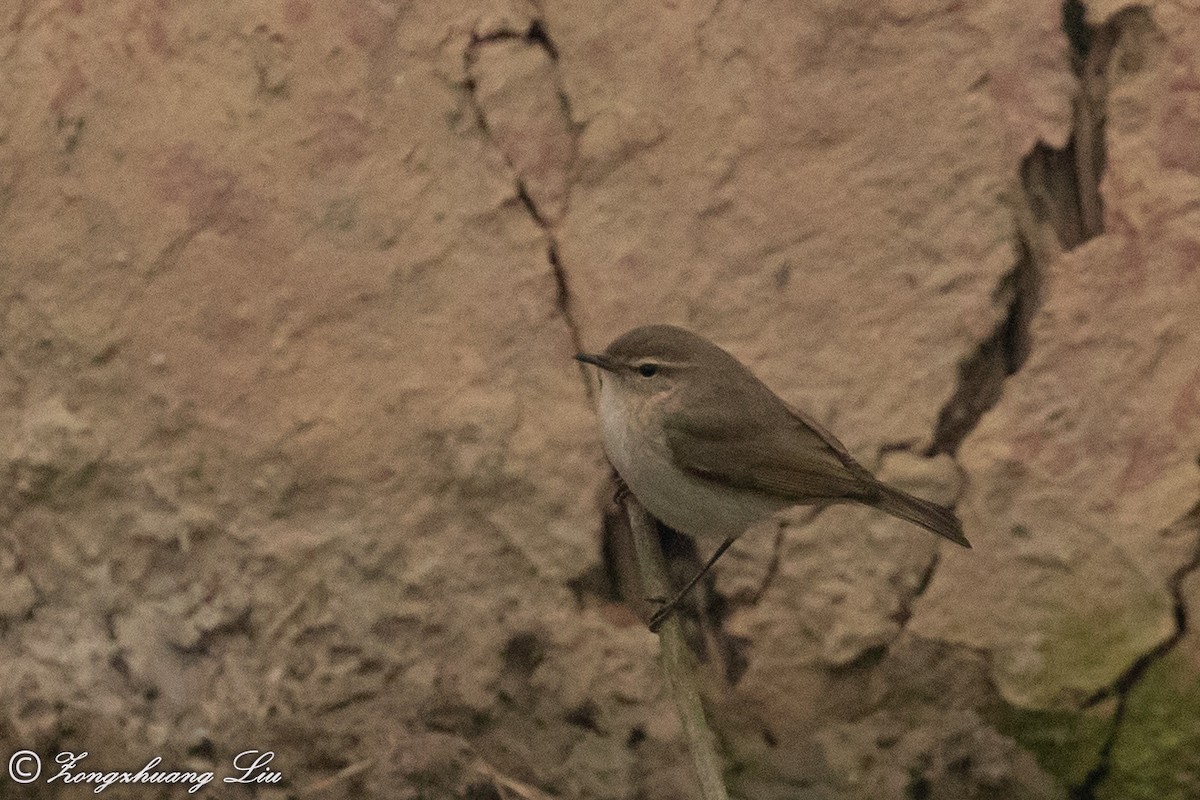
[{"x": 708, "y": 449}]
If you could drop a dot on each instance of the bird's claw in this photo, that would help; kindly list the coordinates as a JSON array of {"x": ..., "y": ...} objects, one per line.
[
  {"x": 661, "y": 614},
  {"x": 660, "y": 617}
]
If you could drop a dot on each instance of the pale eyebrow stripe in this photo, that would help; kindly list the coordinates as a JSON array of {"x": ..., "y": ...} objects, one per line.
[{"x": 636, "y": 364}]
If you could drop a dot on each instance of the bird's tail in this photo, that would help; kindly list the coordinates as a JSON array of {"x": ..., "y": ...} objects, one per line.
[{"x": 928, "y": 515}]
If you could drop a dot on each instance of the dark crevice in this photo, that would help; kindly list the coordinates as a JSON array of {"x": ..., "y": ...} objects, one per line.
[
  {"x": 1074, "y": 23},
  {"x": 1125, "y": 683},
  {"x": 905, "y": 612},
  {"x": 564, "y": 304},
  {"x": 584, "y": 716},
  {"x": 1059, "y": 207},
  {"x": 637, "y": 735},
  {"x": 614, "y": 580},
  {"x": 1059, "y": 199},
  {"x": 981, "y": 376},
  {"x": 530, "y": 207},
  {"x": 535, "y": 35},
  {"x": 1062, "y": 185}
]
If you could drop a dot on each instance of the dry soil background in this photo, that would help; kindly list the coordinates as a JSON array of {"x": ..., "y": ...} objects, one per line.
[{"x": 295, "y": 456}]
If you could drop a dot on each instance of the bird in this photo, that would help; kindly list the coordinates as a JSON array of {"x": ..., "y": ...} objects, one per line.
[{"x": 709, "y": 450}]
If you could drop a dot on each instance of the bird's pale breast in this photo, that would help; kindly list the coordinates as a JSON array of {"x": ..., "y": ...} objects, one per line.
[{"x": 700, "y": 508}]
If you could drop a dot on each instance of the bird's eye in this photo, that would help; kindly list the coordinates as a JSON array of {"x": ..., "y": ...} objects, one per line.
[{"x": 647, "y": 370}]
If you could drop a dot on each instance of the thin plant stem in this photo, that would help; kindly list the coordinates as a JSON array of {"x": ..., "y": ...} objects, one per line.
[{"x": 679, "y": 667}]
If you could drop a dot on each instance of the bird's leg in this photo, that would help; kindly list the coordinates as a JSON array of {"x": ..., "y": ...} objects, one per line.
[{"x": 661, "y": 615}]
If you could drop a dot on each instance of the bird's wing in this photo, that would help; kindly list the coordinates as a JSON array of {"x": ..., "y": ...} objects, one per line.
[
  {"x": 783, "y": 455},
  {"x": 829, "y": 439}
]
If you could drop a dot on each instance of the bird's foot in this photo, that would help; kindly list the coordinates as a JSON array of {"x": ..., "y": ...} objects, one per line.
[{"x": 661, "y": 615}]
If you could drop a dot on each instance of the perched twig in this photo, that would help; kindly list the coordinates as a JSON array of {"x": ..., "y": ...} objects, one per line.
[
  {"x": 324, "y": 785},
  {"x": 677, "y": 662},
  {"x": 509, "y": 788}
]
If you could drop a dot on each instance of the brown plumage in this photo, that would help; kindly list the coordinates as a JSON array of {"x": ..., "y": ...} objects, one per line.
[{"x": 724, "y": 427}]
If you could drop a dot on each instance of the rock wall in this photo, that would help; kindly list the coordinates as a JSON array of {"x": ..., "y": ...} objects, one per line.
[{"x": 295, "y": 457}]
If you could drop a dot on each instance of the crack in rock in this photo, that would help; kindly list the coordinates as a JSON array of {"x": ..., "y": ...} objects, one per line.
[
  {"x": 982, "y": 375},
  {"x": 541, "y": 159},
  {"x": 1063, "y": 184},
  {"x": 1059, "y": 207},
  {"x": 1124, "y": 684},
  {"x": 904, "y": 614}
]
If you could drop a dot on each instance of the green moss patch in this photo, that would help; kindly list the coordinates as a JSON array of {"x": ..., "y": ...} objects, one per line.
[{"x": 1157, "y": 752}]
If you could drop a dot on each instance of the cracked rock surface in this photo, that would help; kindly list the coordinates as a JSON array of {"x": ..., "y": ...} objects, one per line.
[{"x": 293, "y": 455}]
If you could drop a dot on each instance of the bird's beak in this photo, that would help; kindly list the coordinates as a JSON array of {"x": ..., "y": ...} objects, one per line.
[{"x": 600, "y": 360}]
